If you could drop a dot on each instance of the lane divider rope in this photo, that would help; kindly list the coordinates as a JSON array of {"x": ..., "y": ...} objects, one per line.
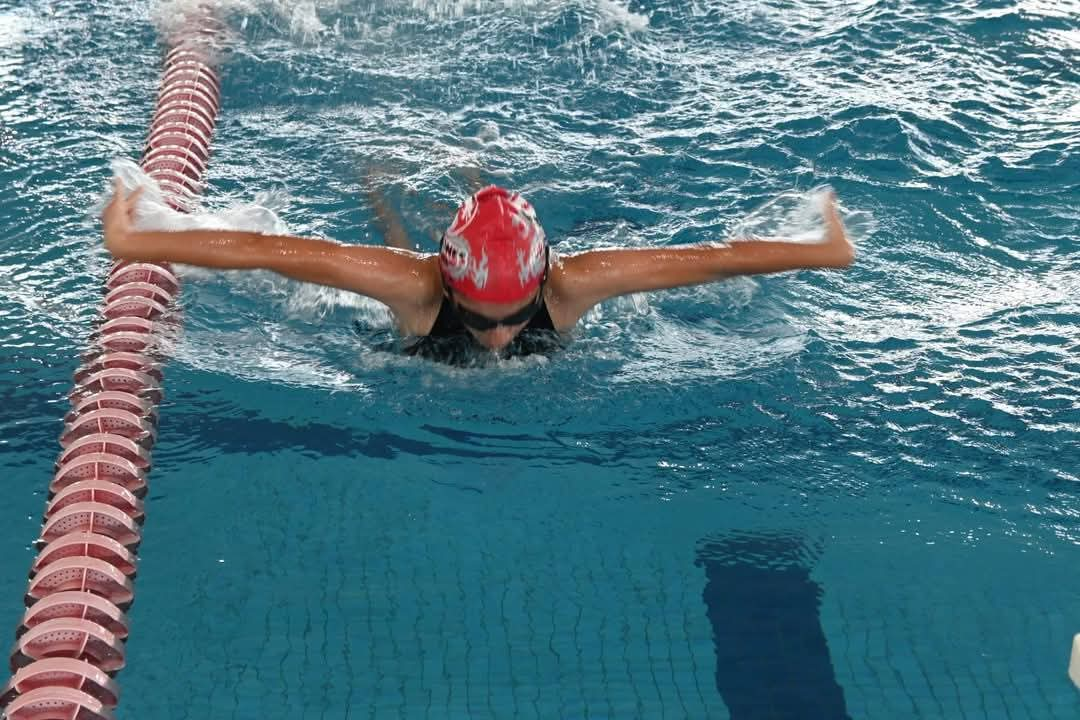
[{"x": 70, "y": 642}]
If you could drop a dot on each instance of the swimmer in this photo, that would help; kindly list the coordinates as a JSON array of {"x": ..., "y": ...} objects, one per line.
[{"x": 494, "y": 278}]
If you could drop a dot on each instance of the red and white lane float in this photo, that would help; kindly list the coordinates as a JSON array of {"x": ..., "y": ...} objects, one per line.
[{"x": 70, "y": 642}]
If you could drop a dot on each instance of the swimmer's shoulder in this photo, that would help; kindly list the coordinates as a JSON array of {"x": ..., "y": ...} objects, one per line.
[
  {"x": 418, "y": 318},
  {"x": 561, "y": 291}
]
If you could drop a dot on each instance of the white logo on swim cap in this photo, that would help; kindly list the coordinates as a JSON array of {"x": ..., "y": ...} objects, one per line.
[
  {"x": 531, "y": 264},
  {"x": 457, "y": 261},
  {"x": 465, "y": 215},
  {"x": 479, "y": 271},
  {"x": 454, "y": 255}
]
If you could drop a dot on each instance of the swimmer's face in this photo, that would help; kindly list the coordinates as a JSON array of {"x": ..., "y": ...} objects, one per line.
[{"x": 494, "y": 325}]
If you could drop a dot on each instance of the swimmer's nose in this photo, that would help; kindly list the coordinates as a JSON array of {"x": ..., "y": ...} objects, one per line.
[{"x": 498, "y": 338}]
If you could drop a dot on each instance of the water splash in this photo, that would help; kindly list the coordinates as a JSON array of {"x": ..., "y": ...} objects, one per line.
[
  {"x": 309, "y": 20},
  {"x": 796, "y": 215},
  {"x": 300, "y": 301},
  {"x": 153, "y": 213}
]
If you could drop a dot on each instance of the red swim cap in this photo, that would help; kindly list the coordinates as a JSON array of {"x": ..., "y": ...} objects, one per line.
[{"x": 495, "y": 250}]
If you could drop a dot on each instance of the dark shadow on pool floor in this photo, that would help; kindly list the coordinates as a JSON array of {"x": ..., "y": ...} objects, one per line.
[{"x": 772, "y": 661}]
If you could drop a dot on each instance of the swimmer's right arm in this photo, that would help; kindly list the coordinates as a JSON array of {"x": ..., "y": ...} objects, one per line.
[{"x": 404, "y": 280}]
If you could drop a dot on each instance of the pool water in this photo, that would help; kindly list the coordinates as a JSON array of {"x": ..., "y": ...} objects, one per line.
[{"x": 810, "y": 495}]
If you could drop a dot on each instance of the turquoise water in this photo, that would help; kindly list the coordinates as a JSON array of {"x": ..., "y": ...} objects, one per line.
[{"x": 807, "y": 495}]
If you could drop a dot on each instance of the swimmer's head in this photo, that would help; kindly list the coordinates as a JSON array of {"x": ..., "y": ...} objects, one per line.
[{"x": 495, "y": 250}]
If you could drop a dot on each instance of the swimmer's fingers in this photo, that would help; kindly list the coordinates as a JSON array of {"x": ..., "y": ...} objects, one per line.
[
  {"x": 119, "y": 199},
  {"x": 115, "y": 204},
  {"x": 835, "y": 237},
  {"x": 118, "y": 193},
  {"x": 133, "y": 200},
  {"x": 118, "y": 216},
  {"x": 828, "y": 212},
  {"x": 832, "y": 217},
  {"x": 828, "y": 204}
]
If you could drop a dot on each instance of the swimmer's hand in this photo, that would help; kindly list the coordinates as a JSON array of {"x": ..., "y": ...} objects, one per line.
[
  {"x": 117, "y": 219},
  {"x": 836, "y": 250}
]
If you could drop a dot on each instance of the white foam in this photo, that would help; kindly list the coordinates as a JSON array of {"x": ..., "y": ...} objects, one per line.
[
  {"x": 792, "y": 215},
  {"x": 620, "y": 15},
  {"x": 187, "y": 22},
  {"x": 309, "y": 19},
  {"x": 153, "y": 213},
  {"x": 304, "y": 20},
  {"x": 13, "y": 29}
]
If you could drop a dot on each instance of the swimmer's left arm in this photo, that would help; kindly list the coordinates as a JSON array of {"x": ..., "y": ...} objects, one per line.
[{"x": 581, "y": 281}]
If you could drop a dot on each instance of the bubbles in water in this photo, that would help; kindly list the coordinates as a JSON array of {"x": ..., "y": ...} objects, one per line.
[
  {"x": 615, "y": 14},
  {"x": 316, "y": 302},
  {"x": 488, "y": 132}
]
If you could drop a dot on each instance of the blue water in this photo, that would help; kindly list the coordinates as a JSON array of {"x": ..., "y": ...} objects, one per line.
[{"x": 809, "y": 495}]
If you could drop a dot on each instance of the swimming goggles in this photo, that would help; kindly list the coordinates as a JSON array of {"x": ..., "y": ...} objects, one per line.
[{"x": 482, "y": 323}]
